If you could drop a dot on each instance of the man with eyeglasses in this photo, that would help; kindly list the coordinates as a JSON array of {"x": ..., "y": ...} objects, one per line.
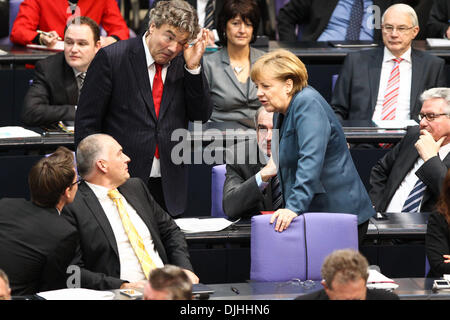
[
  {"x": 36, "y": 243},
  {"x": 249, "y": 184},
  {"x": 410, "y": 176},
  {"x": 385, "y": 83},
  {"x": 141, "y": 90}
]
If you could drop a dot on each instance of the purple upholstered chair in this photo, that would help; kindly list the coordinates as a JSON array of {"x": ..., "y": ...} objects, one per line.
[
  {"x": 326, "y": 232},
  {"x": 277, "y": 256},
  {"x": 217, "y": 181}
]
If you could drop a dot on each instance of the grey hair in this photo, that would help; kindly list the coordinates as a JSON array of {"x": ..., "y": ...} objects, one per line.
[
  {"x": 4, "y": 276},
  {"x": 257, "y": 115},
  {"x": 439, "y": 93},
  {"x": 176, "y": 13},
  {"x": 406, "y": 9},
  {"x": 88, "y": 151}
]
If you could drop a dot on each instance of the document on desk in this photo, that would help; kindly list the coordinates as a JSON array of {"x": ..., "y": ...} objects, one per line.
[
  {"x": 58, "y": 46},
  {"x": 17, "y": 132},
  {"x": 395, "y": 124},
  {"x": 76, "y": 294},
  {"x": 378, "y": 280},
  {"x": 438, "y": 43},
  {"x": 191, "y": 225}
]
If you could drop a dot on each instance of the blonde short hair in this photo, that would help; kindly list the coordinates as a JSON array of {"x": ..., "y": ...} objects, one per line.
[{"x": 281, "y": 65}]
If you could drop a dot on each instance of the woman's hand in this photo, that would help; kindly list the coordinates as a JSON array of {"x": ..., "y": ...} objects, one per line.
[{"x": 284, "y": 218}]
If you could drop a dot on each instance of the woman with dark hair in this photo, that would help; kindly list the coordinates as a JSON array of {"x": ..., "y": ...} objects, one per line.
[
  {"x": 228, "y": 70},
  {"x": 437, "y": 239}
]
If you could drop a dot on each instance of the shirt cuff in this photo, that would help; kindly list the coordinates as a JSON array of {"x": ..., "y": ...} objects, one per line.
[
  {"x": 261, "y": 184},
  {"x": 194, "y": 71}
]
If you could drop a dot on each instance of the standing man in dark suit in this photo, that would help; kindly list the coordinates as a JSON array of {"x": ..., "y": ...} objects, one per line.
[
  {"x": 248, "y": 189},
  {"x": 36, "y": 244},
  {"x": 117, "y": 97},
  {"x": 325, "y": 20},
  {"x": 124, "y": 233},
  {"x": 372, "y": 83},
  {"x": 58, "y": 79},
  {"x": 409, "y": 178}
]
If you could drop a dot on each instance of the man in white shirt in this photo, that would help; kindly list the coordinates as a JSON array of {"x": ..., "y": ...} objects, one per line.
[
  {"x": 409, "y": 177},
  {"x": 124, "y": 233},
  {"x": 385, "y": 83}
]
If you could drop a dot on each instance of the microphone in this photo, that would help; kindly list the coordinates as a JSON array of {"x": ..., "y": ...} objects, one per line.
[{"x": 73, "y": 5}]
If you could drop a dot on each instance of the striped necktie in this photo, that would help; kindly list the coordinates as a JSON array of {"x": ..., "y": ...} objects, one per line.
[
  {"x": 80, "y": 80},
  {"x": 209, "y": 15},
  {"x": 135, "y": 239},
  {"x": 412, "y": 203},
  {"x": 354, "y": 24},
  {"x": 391, "y": 92},
  {"x": 277, "y": 196}
]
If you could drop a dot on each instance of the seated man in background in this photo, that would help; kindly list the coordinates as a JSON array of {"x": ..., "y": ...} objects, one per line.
[
  {"x": 251, "y": 185},
  {"x": 345, "y": 274},
  {"x": 385, "y": 83},
  {"x": 168, "y": 283},
  {"x": 439, "y": 23},
  {"x": 36, "y": 244},
  {"x": 124, "y": 233},
  {"x": 5, "y": 290},
  {"x": 325, "y": 20},
  {"x": 409, "y": 177},
  {"x": 58, "y": 79},
  {"x": 51, "y": 16}
]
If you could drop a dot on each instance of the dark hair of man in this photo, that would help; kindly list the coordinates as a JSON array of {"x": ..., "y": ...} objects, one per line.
[
  {"x": 50, "y": 177},
  {"x": 87, "y": 21},
  {"x": 246, "y": 9},
  {"x": 173, "y": 280}
]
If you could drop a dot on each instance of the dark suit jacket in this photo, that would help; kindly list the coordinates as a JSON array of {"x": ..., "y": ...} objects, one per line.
[
  {"x": 371, "y": 294},
  {"x": 389, "y": 172},
  {"x": 438, "y": 20},
  {"x": 316, "y": 170},
  {"x": 53, "y": 94},
  {"x": 117, "y": 99},
  {"x": 36, "y": 246},
  {"x": 314, "y": 16},
  {"x": 99, "y": 257},
  {"x": 437, "y": 243},
  {"x": 356, "y": 91},
  {"x": 241, "y": 195}
]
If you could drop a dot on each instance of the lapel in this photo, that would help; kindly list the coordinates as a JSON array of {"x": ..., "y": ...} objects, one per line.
[
  {"x": 97, "y": 211},
  {"x": 374, "y": 71},
  {"x": 140, "y": 70},
  {"x": 70, "y": 83},
  {"x": 417, "y": 73},
  {"x": 225, "y": 59}
]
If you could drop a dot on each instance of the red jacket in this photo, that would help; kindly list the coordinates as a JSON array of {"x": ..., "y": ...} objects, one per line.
[{"x": 48, "y": 15}]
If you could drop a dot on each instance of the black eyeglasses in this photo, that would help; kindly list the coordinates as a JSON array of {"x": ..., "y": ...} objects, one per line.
[
  {"x": 79, "y": 180},
  {"x": 431, "y": 116}
]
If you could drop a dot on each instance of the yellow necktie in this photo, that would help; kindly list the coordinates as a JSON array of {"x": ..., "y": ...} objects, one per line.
[{"x": 136, "y": 242}]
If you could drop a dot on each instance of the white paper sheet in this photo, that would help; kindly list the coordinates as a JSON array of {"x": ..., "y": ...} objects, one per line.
[
  {"x": 190, "y": 225},
  {"x": 377, "y": 280},
  {"x": 16, "y": 132},
  {"x": 395, "y": 124},
  {"x": 76, "y": 294},
  {"x": 438, "y": 42}
]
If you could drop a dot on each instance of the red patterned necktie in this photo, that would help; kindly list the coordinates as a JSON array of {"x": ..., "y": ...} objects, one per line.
[
  {"x": 391, "y": 92},
  {"x": 157, "y": 92}
]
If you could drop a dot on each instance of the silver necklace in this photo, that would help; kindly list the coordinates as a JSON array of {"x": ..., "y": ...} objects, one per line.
[{"x": 238, "y": 69}]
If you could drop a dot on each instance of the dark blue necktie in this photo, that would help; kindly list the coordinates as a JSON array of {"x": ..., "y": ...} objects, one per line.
[
  {"x": 412, "y": 203},
  {"x": 209, "y": 15},
  {"x": 277, "y": 197},
  {"x": 354, "y": 24}
]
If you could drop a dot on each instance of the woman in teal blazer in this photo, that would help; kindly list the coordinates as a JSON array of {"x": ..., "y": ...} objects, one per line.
[{"x": 316, "y": 171}]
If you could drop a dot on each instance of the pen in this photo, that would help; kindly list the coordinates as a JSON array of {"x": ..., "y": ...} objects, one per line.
[
  {"x": 48, "y": 34},
  {"x": 235, "y": 290}
]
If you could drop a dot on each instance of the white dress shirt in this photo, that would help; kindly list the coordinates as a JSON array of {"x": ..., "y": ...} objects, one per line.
[
  {"x": 156, "y": 168},
  {"x": 400, "y": 196},
  {"x": 404, "y": 95},
  {"x": 130, "y": 267}
]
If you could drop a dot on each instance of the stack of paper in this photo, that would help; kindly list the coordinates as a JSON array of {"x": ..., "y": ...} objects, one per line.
[
  {"x": 377, "y": 280},
  {"x": 395, "y": 124},
  {"x": 76, "y": 294},
  {"x": 438, "y": 42},
  {"x": 190, "y": 225},
  {"x": 16, "y": 132}
]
